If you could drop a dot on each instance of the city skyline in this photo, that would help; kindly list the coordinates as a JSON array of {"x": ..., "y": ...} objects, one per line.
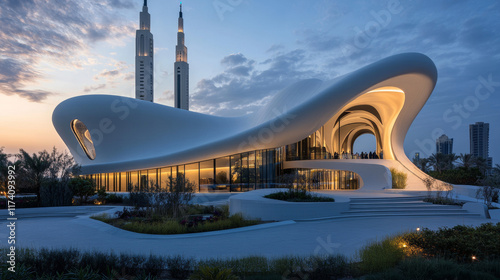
[{"x": 258, "y": 49}]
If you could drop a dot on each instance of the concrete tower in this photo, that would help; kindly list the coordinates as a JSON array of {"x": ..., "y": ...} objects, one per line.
[
  {"x": 479, "y": 136},
  {"x": 181, "y": 69},
  {"x": 144, "y": 57},
  {"x": 444, "y": 145}
]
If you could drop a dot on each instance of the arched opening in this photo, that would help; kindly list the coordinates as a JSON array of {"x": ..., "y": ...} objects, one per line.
[{"x": 365, "y": 143}]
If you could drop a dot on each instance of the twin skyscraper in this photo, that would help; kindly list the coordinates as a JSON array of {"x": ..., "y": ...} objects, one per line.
[{"x": 144, "y": 74}]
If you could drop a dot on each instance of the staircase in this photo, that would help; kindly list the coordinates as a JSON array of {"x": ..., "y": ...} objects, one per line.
[{"x": 401, "y": 206}]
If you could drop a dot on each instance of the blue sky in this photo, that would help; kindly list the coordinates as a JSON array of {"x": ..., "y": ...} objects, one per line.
[{"x": 242, "y": 52}]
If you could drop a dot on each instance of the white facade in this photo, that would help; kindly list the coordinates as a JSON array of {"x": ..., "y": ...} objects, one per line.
[
  {"x": 396, "y": 88},
  {"x": 144, "y": 50},
  {"x": 181, "y": 69}
]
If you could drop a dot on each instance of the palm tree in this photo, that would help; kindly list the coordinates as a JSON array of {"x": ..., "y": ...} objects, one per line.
[
  {"x": 467, "y": 161},
  {"x": 496, "y": 169},
  {"x": 33, "y": 169},
  {"x": 481, "y": 164}
]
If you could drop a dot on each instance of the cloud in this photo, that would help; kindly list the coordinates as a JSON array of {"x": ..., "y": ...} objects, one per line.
[
  {"x": 94, "y": 88},
  {"x": 234, "y": 59},
  {"x": 242, "y": 89},
  {"x": 36, "y": 31}
]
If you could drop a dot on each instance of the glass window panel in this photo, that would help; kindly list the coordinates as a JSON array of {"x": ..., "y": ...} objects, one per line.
[
  {"x": 152, "y": 177},
  {"x": 251, "y": 170},
  {"x": 165, "y": 173},
  {"x": 143, "y": 179},
  {"x": 222, "y": 174},
  {"x": 134, "y": 180},
  {"x": 111, "y": 180},
  {"x": 207, "y": 183},
  {"x": 123, "y": 182},
  {"x": 192, "y": 175},
  {"x": 236, "y": 173},
  {"x": 258, "y": 170}
]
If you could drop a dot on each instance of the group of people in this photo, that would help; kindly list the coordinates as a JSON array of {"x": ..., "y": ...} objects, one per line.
[{"x": 363, "y": 155}]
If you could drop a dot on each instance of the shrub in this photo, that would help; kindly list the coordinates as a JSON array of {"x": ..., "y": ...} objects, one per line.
[
  {"x": 443, "y": 201},
  {"x": 298, "y": 196},
  {"x": 82, "y": 187},
  {"x": 459, "y": 243},
  {"x": 380, "y": 256},
  {"x": 54, "y": 192},
  {"x": 114, "y": 198},
  {"x": 179, "y": 266},
  {"x": 213, "y": 273},
  {"x": 330, "y": 267},
  {"x": 399, "y": 179},
  {"x": 420, "y": 268}
]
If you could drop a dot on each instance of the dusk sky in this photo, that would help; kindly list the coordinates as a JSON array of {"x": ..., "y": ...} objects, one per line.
[{"x": 240, "y": 53}]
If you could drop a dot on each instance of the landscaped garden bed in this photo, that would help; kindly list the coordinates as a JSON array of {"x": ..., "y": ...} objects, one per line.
[
  {"x": 298, "y": 196},
  {"x": 193, "y": 218}
]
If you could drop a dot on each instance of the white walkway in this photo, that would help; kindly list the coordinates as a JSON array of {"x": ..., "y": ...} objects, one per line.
[{"x": 65, "y": 227}]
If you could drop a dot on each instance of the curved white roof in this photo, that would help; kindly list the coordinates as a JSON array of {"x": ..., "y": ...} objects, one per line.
[{"x": 130, "y": 134}]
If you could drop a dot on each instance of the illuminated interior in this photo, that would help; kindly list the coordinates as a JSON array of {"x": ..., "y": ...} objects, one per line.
[{"x": 82, "y": 134}]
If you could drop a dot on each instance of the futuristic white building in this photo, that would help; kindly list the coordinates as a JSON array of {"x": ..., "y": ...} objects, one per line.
[{"x": 302, "y": 129}]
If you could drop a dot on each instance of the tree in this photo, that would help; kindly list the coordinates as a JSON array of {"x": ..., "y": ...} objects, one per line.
[
  {"x": 33, "y": 169},
  {"x": 467, "y": 161},
  {"x": 442, "y": 162},
  {"x": 81, "y": 187},
  {"x": 496, "y": 169}
]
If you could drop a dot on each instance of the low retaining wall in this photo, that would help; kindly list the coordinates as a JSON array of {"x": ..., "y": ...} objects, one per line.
[{"x": 253, "y": 205}]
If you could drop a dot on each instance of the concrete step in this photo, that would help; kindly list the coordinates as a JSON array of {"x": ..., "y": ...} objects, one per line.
[
  {"x": 376, "y": 215},
  {"x": 374, "y": 204},
  {"x": 387, "y": 199},
  {"x": 435, "y": 211},
  {"x": 413, "y": 206}
]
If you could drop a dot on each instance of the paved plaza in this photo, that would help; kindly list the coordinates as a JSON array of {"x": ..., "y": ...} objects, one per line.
[{"x": 65, "y": 227}]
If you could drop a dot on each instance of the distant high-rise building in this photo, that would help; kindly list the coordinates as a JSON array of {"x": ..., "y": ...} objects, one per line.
[
  {"x": 417, "y": 157},
  {"x": 144, "y": 57},
  {"x": 444, "y": 145},
  {"x": 181, "y": 69},
  {"x": 479, "y": 135}
]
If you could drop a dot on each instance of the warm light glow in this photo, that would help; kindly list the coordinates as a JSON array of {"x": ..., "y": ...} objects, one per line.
[
  {"x": 474, "y": 258},
  {"x": 387, "y": 89},
  {"x": 404, "y": 245},
  {"x": 83, "y": 137},
  {"x": 418, "y": 229}
]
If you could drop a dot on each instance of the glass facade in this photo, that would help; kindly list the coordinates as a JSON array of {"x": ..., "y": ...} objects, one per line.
[{"x": 235, "y": 173}]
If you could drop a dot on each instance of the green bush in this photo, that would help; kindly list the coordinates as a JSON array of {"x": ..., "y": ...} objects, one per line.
[
  {"x": 380, "y": 256},
  {"x": 213, "y": 273},
  {"x": 180, "y": 267},
  {"x": 399, "y": 179},
  {"x": 330, "y": 267},
  {"x": 443, "y": 201},
  {"x": 82, "y": 188},
  {"x": 435, "y": 269},
  {"x": 114, "y": 198},
  {"x": 298, "y": 196},
  {"x": 459, "y": 243},
  {"x": 459, "y": 176}
]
